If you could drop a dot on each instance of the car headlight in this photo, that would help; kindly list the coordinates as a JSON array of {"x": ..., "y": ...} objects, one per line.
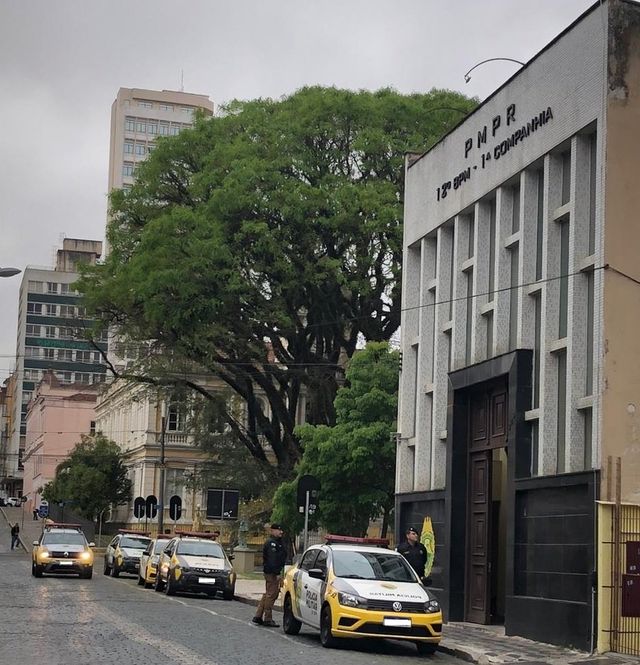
[
  {"x": 432, "y": 606},
  {"x": 155, "y": 558},
  {"x": 351, "y": 600},
  {"x": 184, "y": 569},
  {"x": 44, "y": 554},
  {"x": 85, "y": 556}
]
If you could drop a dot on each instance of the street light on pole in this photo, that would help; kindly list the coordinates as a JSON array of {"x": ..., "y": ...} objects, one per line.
[
  {"x": 9, "y": 272},
  {"x": 467, "y": 78}
]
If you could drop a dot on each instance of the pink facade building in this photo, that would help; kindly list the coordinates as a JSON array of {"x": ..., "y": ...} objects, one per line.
[{"x": 57, "y": 416}]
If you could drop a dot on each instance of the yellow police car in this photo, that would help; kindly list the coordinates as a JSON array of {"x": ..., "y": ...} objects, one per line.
[
  {"x": 357, "y": 587},
  {"x": 194, "y": 562},
  {"x": 149, "y": 561},
  {"x": 124, "y": 551},
  {"x": 62, "y": 548}
]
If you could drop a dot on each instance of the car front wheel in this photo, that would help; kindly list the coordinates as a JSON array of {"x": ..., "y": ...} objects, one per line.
[
  {"x": 290, "y": 624},
  {"x": 169, "y": 589},
  {"x": 326, "y": 636}
]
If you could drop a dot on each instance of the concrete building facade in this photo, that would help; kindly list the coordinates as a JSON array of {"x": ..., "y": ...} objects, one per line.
[
  {"x": 521, "y": 374},
  {"x": 51, "y": 336},
  {"x": 138, "y": 117}
]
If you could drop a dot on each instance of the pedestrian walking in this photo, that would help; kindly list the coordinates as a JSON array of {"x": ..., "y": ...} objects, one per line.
[
  {"x": 414, "y": 551},
  {"x": 35, "y": 514},
  {"x": 274, "y": 556},
  {"x": 15, "y": 540}
]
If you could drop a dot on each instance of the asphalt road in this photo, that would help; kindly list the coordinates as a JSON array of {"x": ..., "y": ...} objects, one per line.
[{"x": 67, "y": 621}]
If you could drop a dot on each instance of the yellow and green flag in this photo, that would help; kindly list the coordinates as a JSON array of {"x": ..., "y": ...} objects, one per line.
[{"x": 428, "y": 539}]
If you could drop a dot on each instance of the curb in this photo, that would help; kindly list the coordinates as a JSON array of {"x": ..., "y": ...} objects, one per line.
[{"x": 252, "y": 601}]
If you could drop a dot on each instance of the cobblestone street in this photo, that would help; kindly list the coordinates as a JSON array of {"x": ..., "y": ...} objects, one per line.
[{"x": 68, "y": 621}]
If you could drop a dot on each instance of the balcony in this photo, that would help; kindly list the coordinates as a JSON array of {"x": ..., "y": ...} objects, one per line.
[{"x": 175, "y": 439}]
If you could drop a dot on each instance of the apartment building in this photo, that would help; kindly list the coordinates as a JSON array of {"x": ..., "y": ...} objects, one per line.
[{"x": 52, "y": 323}]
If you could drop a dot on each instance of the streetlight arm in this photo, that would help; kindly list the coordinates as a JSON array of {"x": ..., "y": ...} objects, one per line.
[
  {"x": 467, "y": 78},
  {"x": 9, "y": 272}
]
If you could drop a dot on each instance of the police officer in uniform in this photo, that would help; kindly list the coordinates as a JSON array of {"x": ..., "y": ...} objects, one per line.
[
  {"x": 414, "y": 551},
  {"x": 274, "y": 556}
]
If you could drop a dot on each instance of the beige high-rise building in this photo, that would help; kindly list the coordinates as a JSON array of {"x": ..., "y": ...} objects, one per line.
[{"x": 138, "y": 117}]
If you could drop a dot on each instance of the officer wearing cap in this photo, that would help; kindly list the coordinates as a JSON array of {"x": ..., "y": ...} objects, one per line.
[
  {"x": 414, "y": 551},
  {"x": 274, "y": 556}
]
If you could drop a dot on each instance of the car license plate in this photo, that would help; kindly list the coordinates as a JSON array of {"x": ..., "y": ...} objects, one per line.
[
  {"x": 396, "y": 623},
  {"x": 206, "y": 580},
  {"x": 66, "y": 563}
]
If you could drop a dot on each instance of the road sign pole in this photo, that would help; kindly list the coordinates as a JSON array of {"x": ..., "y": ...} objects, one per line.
[
  {"x": 162, "y": 481},
  {"x": 306, "y": 520}
]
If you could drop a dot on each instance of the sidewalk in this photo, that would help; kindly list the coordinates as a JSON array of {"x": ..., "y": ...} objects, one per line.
[
  {"x": 473, "y": 643},
  {"x": 30, "y": 530}
]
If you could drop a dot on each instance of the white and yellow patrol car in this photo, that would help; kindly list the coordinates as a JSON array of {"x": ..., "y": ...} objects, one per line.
[
  {"x": 62, "y": 548},
  {"x": 357, "y": 587},
  {"x": 149, "y": 561},
  {"x": 194, "y": 562}
]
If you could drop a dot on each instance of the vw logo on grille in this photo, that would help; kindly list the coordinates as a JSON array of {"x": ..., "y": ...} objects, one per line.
[
  {"x": 66, "y": 554},
  {"x": 397, "y": 607}
]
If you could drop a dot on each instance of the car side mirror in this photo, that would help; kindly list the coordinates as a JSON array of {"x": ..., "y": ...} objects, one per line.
[
  {"x": 231, "y": 557},
  {"x": 317, "y": 573},
  {"x": 427, "y": 581},
  {"x": 92, "y": 544},
  {"x": 35, "y": 543}
]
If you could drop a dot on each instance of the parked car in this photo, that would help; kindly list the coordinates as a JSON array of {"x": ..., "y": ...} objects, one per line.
[
  {"x": 149, "y": 561},
  {"x": 356, "y": 587},
  {"x": 124, "y": 551},
  {"x": 194, "y": 562},
  {"x": 14, "y": 501}
]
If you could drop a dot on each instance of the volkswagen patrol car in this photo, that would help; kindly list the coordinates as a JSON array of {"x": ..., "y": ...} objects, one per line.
[
  {"x": 62, "y": 548},
  {"x": 149, "y": 561},
  {"x": 357, "y": 587},
  {"x": 194, "y": 562},
  {"x": 124, "y": 551}
]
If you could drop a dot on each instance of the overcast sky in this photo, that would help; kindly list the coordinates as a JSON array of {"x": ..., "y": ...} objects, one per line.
[{"x": 62, "y": 62}]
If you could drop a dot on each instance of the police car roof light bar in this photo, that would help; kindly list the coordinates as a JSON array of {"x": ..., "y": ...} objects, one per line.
[
  {"x": 198, "y": 534},
  {"x": 62, "y": 525},
  {"x": 333, "y": 539}
]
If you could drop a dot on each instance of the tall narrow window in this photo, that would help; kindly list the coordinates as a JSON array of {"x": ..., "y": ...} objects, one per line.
[
  {"x": 592, "y": 193},
  {"x": 513, "y": 298},
  {"x": 564, "y": 280},
  {"x": 589, "y": 337},
  {"x": 587, "y": 415},
  {"x": 467, "y": 342},
  {"x": 449, "y": 349},
  {"x": 515, "y": 211},
  {"x": 537, "y": 306},
  {"x": 566, "y": 176},
  {"x": 452, "y": 272},
  {"x": 535, "y": 445},
  {"x": 489, "y": 318},
  {"x": 472, "y": 236},
  {"x": 492, "y": 251},
  {"x": 540, "y": 224},
  {"x": 562, "y": 408}
]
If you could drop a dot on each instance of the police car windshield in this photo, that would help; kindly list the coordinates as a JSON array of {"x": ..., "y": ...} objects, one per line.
[
  {"x": 159, "y": 546},
  {"x": 371, "y": 566},
  {"x": 63, "y": 539},
  {"x": 134, "y": 543},
  {"x": 199, "y": 548}
]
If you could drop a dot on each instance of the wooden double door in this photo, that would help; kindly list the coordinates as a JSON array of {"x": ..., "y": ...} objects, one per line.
[{"x": 488, "y": 426}]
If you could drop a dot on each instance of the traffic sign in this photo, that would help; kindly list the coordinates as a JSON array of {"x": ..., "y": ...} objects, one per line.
[
  {"x": 175, "y": 507},
  {"x": 309, "y": 484},
  {"x": 152, "y": 506},
  {"x": 139, "y": 507}
]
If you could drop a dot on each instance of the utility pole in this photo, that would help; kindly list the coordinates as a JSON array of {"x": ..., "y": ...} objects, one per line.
[{"x": 162, "y": 475}]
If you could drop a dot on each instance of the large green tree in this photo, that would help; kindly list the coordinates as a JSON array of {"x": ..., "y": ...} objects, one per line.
[
  {"x": 92, "y": 478},
  {"x": 261, "y": 245},
  {"x": 355, "y": 459}
]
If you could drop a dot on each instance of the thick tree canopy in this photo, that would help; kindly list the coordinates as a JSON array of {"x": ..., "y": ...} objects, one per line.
[
  {"x": 354, "y": 460},
  {"x": 261, "y": 245},
  {"x": 92, "y": 478}
]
